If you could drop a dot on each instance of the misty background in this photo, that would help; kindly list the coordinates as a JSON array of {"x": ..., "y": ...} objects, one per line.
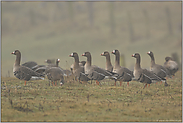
[{"x": 42, "y": 30}]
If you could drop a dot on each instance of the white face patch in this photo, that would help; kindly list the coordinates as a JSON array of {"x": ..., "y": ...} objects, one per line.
[
  {"x": 59, "y": 60},
  {"x": 102, "y": 53},
  {"x": 72, "y": 54},
  {"x": 133, "y": 55},
  {"x": 149, "y": 52},
  {"x": 114, "y": 51}
]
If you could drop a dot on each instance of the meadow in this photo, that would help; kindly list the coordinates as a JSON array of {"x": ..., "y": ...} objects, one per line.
[
  {"x": 37, "y": 101},
  {"x": 42, "y": 30}
]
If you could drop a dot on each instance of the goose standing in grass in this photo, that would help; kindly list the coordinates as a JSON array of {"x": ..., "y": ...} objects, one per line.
[
  {"x": 109, "y": 66},
  {"x": 23, "y": 72},
  {"x": 95, "y": 72},
  {"x": 159, "y": 70},
  {"x": 171, "y": 65},
  {"x": 78, "y": 69},
  {"x": 55, "y": 74},
  {"x": 143, "y": 75},
  {"x": 124, "y": 74}
]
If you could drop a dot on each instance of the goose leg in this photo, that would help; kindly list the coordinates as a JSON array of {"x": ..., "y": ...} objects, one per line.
[
  {"x": 52, "y": 83},
  {"x": 115, "y": 83},
  {"x": 120, "y": 83},
  {"x": 127, "y": 83},
  {"x": 25, "y": 83},
  {"x": 148, "y": 85},
  {"x": 145, "y": 86},
  {"x": 97, "y": 82},
  {"x": 55, "y": 83},
  {"x": 161, "y": 82}
]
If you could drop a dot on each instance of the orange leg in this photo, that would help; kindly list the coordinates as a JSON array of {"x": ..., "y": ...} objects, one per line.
[
  {"x": 55, "y": 83},
  {"x": 148, "y": 85},
  {"x": 145, "y": 86},
  {"x": 52, "y": 83},
  {"x": 127, "y": 83},
  {"x": 25, "y": 83},
  {"x": 161, "y": 82},
  {"x": 156, "y": 82},
  {"x": 120, "y": 83},
  {"x": 97, "y": 82},
  {"x": 115, "y": 83}
]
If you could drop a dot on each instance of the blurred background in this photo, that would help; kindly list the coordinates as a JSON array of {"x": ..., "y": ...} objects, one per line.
[{"x": 42, "y": 30}]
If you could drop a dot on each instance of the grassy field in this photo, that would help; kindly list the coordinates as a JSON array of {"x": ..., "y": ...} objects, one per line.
[{"x": 37, "y": 101}]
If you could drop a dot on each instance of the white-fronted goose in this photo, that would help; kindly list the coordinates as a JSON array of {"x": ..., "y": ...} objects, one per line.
[
  {"x": 95, "y": 72},
  {"x": 125, "y": 74},
  {"x": 54, "y": 74},
  {"x": 143, "y": 75},
  {"x": 171, "y": 65},
  {"x": 159, "y": 70},
  {"x": 22, "y": 72},
  {"x": 78, "y": 70},
  {"x": 109, "y": 66}
]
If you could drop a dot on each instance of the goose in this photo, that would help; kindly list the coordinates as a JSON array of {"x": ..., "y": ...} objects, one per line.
[
  {"x": 95, "y": 72},
  {"x": 55, "y": 74},
  {"x": 23, "y": 72},
  {"x": 171, "y": 65},
  {"x": 124, "y": 73},
  {"x": 143, "y": 75},
  {"x": 109, "y": 66},
  {"x": 78, "y": 69},
  {"x": 159, "y": 70}
]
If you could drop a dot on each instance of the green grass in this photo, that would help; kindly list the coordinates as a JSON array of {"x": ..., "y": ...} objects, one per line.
[{"x": 37, "y": 101}]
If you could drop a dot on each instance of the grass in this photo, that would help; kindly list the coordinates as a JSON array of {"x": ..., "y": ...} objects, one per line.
[{"x": 37, "y": 101}]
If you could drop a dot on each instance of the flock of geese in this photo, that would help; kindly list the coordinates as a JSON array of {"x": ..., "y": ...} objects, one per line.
[{"x": 85, "y": 71}]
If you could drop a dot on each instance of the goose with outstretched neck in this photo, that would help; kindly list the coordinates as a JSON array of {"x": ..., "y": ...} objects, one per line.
[
  {"x": 143, "y": 75},
  {"x": 95, "y": 72},
  {"x": 23, "y": 72},
  {"x": 109, "y": 66},
  {"x": 78, "y": 70},
  {"x": 159, "y": 70},
  {"x": 125, "y": 75}
]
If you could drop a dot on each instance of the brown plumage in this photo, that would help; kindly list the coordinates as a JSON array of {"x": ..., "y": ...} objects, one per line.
[
  {"x": 109, "y": 66},
  {"x": 171, "y": 65},
  {"x": 78, "y": 69},
  {"x": 95, "y": 72},
  {"x": 159, "y": 70},
  {"x": 55, "y": 74},
  {"x": 143, "y": 75},
  {"x": 124, "y": 73},
  {"x": 23, "y": 72}
]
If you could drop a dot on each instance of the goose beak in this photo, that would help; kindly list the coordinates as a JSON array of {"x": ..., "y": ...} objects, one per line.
[
  {"x": 133, "y": 55},
  {"x": 102, "y": 54},
  {"x": 13, "y": 53},
  {"x": 83, "y": 54}
]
